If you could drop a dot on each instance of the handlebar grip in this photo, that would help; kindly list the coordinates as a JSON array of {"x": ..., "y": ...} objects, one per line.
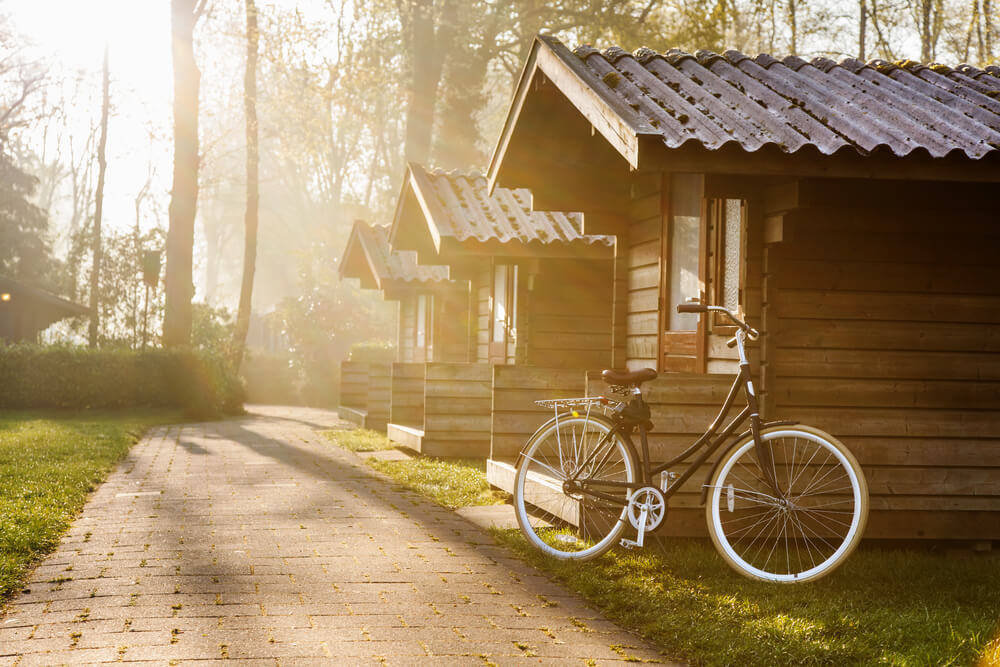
[
  {"x": 731, "y": 342},
  {"x": 692, "y": 308}
]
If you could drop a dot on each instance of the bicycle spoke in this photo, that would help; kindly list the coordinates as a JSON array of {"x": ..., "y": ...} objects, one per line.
[{"x": 799, "y": 531}]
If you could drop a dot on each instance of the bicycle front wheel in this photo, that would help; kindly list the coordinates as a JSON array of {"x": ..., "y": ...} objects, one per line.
[
  {"x": 809, "y": 527},
  {"x": 561, "y": 520}
]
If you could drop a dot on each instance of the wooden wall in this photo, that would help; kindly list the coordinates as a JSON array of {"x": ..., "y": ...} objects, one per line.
[
  {"x": 564, "y": 319},
  {"x": 407, "y": 388},
  {"x": 683, "y": 406},
  {"x": 456, "y": 418},
  {"x": 354, "y": 384},
  {"x": 379, "y": 396},
  {"x": 407, "y": 327},
  {"x": 886, "y": 333},
  {"x": 641, "y": 252},
  {"x": 482, "y": 288},
  {"x": 451, "y": 326},
  {"x": 568, "y": 320},
  {"x": 514, "y": 413}
]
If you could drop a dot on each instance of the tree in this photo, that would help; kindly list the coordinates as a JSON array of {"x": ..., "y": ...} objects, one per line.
[
  {"x": 253, "y": 194},
  {"x": 184, "y": 194},
  {"x": 95, "y": 272},
  {"x": 24, "y": 251}
]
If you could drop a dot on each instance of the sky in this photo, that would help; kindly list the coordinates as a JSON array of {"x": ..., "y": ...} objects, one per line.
[{"x": 70, "y": 35}]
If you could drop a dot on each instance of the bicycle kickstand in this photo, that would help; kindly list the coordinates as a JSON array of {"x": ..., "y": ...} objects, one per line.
[{"x": 640, "y": 537}]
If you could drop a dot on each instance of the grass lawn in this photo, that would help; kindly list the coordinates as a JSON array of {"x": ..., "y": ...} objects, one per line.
[
  {"x": 49, "y": 463},
  {"x": 452, "y": 483},
  {"x": 898, "y": 607}
]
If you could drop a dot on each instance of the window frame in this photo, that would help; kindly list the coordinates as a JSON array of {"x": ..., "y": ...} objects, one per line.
[
  {"x": 686, "y": 351},
  {"x": 508, "y": 325}
]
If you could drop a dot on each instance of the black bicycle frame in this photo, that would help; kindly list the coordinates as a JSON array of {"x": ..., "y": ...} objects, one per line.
[{"x": 711, "y": 440}]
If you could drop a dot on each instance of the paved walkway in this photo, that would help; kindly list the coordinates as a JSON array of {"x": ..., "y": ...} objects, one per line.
[{"x": 255, "y": 539}]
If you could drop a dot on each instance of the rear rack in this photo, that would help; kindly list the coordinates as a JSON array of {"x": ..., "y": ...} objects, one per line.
[{"x": 586, "y": 402}]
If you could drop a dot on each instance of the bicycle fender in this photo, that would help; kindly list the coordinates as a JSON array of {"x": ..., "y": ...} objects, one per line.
[{"x": 739, "y": 440}]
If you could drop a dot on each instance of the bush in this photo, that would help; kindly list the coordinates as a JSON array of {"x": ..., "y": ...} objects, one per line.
[
  {"x": 271, "y": 379},
  {"x": 373, "y": 352},
  {"x": 201, "y": 384}
]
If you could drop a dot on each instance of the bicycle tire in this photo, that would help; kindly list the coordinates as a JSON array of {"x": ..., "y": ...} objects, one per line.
[
  {"x": 545, "y": 512},
  {"x": 816, "y": 522}
]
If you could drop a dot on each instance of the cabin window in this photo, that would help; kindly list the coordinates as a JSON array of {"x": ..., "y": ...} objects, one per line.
[
  {"x": 425, "y": 326},
  {"x": 682, "y": 240},
  {"x": 504, "y": 325},
  {"x": 685, "y": 236},
  {"x": 704, "y": 244},
  {"x": 728, "y": 236}
]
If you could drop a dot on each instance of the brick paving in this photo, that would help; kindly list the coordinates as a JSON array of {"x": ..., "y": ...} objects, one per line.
[{"x": 256, "y": 540}]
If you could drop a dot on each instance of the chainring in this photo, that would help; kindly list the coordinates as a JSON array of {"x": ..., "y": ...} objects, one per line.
[{"x": 655, "y": 502}]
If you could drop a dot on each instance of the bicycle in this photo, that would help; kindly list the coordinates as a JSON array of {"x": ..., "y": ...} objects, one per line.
[{"x": 784, "y": 502}]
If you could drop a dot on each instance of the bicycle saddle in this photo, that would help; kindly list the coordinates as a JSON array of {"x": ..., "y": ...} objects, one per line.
[{"x": 629, "y": 378}]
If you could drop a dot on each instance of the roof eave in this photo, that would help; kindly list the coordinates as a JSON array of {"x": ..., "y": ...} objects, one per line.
[{"x": 619, "y": 125}]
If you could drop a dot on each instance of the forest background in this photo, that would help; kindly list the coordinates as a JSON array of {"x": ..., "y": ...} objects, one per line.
[{"x": 347, "y": 93}]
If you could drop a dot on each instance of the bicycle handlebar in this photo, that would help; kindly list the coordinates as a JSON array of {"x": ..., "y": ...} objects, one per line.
[{"x": 694, "y": 307}]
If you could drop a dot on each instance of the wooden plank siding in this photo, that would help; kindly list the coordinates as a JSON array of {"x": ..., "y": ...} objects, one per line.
[
  {"x": 407, "y": 327},
  {"x": 379, "y": 399},
  {"x": 642, "y": 257},
  {"x": 451, "y": 326},
  {"x": 354, "y": 384},
  {"x": 407, "y": 392},
  {"x": 514, "y": 413},
  {"x": 482, "y": 290},
  {"x": 886, "y": 333},
  {"x": 456, "y": 419},
  {"x": 567, "y": 316}
]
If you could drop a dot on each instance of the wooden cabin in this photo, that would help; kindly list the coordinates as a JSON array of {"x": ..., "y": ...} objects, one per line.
[
  {"x": 541, "y": 290},
  {"x": 541, "y": 295},
  {"x": 26, "y": 311},
  {"x": 432, "y": 321},
  {"x": 850, "y": 210}
]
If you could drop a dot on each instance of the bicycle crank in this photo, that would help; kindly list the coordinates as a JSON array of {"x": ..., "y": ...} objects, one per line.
[{"x": 646, "y": 509}]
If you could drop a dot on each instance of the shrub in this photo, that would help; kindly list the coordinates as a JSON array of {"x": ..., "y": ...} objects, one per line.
[
  {"x": 373, "y": 352},
  {"x": 271, "y": 379},
  {"x": 201, "y": 384}
]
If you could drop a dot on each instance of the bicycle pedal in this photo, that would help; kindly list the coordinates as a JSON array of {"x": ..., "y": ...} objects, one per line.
[{"x": 630, "y": 544}]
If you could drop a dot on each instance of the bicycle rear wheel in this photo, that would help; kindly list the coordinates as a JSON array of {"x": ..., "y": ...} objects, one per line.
[
  {"x": 809, "y": 528},
  {"x": 566, "y": 524}
]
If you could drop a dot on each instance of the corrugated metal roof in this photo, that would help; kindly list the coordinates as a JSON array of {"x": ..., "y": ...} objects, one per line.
[
  {"x": 388, "y": 264},
  {"x": 471, "y": 213},
  {"x": 717, "y": 99}
]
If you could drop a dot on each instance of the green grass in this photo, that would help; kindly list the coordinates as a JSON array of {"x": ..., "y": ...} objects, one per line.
[
  {"x": 452, "y": 483},
  {"x": 359, "y": 440},
  {"x": 49, "y": 463},
  {"x": 898, "y": 607}
]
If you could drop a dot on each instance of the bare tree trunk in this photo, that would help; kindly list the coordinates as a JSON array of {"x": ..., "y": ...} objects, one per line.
[
  {"x": 422, "y": 85},
  {"x": 184, "y": 195},
  {"x": 95, "y": 272},
  {"x": 925, "y": 30},
  {"x": 862, "y": 29},
  {"x": 987, "y": 57},
  {"x": 137, "y": 248},
  {"x": 793, "y": 25},
  {"x": 253, "y": 194}
]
